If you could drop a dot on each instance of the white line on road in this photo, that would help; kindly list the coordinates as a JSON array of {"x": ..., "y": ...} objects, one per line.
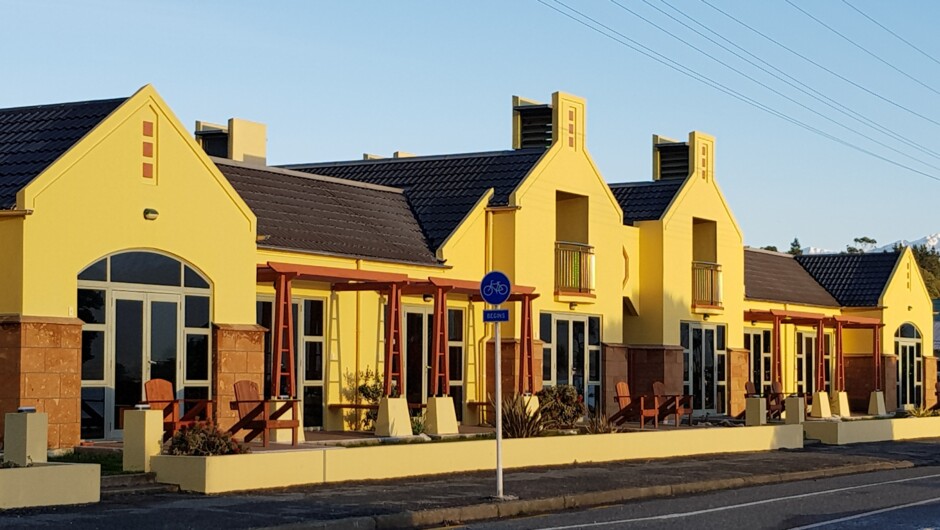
[
  {"x": 736, "y": 506},
  {"x": 866, "y": 514}
]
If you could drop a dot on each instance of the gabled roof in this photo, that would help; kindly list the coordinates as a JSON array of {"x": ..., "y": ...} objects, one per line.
[
  {"x": 32, "y": 138},
  {"x": 855, "y": 280},
  {"x": 776, "y": 277},
  {"x": 645, "y": 201},
  {"x": 442, "y": 189},
  {"x": 310, "y": 213}
]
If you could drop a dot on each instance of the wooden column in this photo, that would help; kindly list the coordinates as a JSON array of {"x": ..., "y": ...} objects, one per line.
[
  {"x": 775, "y": 352},
  {"x": 393, "y": 342},
  {"x": 440, "y": 360},
  {"x": 876, "y": 354},
  {"x": 282, "y": 378},
  {"x": 820, "y": 357},
  {"x": 839, "y": 376}
]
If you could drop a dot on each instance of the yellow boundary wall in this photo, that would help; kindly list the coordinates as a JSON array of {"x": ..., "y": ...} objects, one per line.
[
  {"x": 881, "y": 430},
  {"x": 219, "y": 474}
]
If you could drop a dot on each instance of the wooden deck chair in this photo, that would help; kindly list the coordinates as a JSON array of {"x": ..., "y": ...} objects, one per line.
[
  {"x": 259, "y": 416},
  {"x": 677, "y": 404},
  {"x": 632, "y": 407},
  {"x": 750, "y": 390},
  {"x": 160, "y": 396},
  {"x": 775, "y": 400}
]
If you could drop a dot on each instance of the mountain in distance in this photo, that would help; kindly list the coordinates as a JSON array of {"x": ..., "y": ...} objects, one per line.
[{"x": 930, "y": 241}]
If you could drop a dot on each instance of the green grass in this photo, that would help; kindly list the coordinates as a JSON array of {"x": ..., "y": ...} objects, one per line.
[{"x": 111, "y": 463}]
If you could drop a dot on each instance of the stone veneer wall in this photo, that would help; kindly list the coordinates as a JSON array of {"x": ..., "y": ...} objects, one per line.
[
  {"x": 40, "y": 366},
  {"x": 237, "y": 354},
  {"x": 738, "y": 374},
  {"x": 858, "y": 381},
  {"x": 648, "y": 364},
  {"x": 930, "y": 381},
  {"x": 614, "y": 360}
]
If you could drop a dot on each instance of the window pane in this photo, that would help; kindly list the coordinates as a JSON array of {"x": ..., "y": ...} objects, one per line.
[
  {"x": 720, "y": 405},
  {"x": 721, "y": 367},
  {"x": 96, "y": 271},
  {"x": 547, "y": 363},
  {"x": 197, "y": 311},
  {"x": 313, "y": 406},
  {"x": 768, "y": 344},
  {"x": 456, "y": 393},
  {"x": 455, "y": 363},
  {"x": 593, "y": 399},
  {"x": 195, "y": 392},
  {"x": 145, "y": 267},
  {"x": 720, "y": 338},
  {"x": 197, "y": 357},
  {"x": 561, "y": 350},
  {"x": 684, "y": 335},
  {"x": 264, "y": 318},
  {"x": 92, "y": 413},
  {"x": 594, "y": 331},
  {"x": 192, "y": 278},
  {"x": 92, "y": 355},
  {"x": 163, "y": 340},
  {"x": 545, "y": 327},
  {"x": 594, "y": 373},
  {"x": 91, "y": 306},
  {"x": 455, "y": 325},
  {"x": 313, "y": 362},
  {"x": 577, "y": 356},
  {"x": 313, "y": 318},
  {"x": 747, "y": 341}
]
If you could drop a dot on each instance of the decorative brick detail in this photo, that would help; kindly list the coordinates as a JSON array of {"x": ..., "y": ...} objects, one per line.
[
  {"x": 40, "y": 366},
  {"x": 858, "y": 381},
  {"x": 738, "y": 375},
  {"x": 614, "y": 366},
  {"x": 647, "y": 364},
  {"x": 237, "y": 354},
  {"x": 930, "y": 381}
]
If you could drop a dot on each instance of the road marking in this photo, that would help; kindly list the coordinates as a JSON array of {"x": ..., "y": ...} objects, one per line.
[
  {"x": 866, "y": 514},
  {"x": 736, "y": 506}
]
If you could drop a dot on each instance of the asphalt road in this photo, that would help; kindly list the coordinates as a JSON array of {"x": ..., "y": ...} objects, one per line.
[{"x": 907, "y": 498}]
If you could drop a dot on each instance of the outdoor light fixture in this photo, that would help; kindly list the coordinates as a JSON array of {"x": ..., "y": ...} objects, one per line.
[
  {"x": 572, "y": 306},
  {"x": 428, "y": 297},
  {"x": 150, "y": 214},
  {"x": 26, "y": 410},
  {"x": 753, "y": 322},
  {"x": 705, "y": 317}
]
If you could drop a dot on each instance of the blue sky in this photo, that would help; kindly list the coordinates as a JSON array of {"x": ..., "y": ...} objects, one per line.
[{"x": 335, "y": 79}]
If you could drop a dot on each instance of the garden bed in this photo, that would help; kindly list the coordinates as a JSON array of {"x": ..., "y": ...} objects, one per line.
[
  {"x": 872, "y": 430},
  {"x": 49, "y": 484}
]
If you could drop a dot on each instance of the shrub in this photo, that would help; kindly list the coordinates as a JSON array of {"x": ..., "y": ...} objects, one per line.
[
  {"x": 417, "y": 424},
  {"x": 518, "y": 421},
  {"x": 561, "y": 406},
  {"x": 365, "y": 386},
  {"x": 922, "y": 413},
  {"x": 202, "y": 440},
  {"x": 599, "y": 424}
]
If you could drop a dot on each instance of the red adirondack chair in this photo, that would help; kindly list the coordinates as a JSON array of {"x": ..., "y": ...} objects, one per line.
[
  {"x": 635, "y": 406},
  {"x": 259, "y": 416},
  {"x": 678, "y": 404},
  {"x": 160, "y": 397}
]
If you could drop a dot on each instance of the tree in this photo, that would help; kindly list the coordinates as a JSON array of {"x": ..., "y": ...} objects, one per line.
[
  {"x": 929, "y": 261},
  {"x": 795, "y": 248},
  {"x": 863, "y": 245},
  {"x": 770, "y": 247}
]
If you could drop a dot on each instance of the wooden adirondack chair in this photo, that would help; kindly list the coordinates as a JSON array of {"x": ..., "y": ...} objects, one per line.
[
  {"x": 260, "y": 416},
  {"x": 775, "y": 400},
  {"x": 631, "y": 407},
  {"x": 678, "y": 404},
  {"x": 750, "y": 390},
  {"x": 160, "y": 397}
]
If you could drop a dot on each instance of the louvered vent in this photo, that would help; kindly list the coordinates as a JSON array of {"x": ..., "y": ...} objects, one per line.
[
  {"x": 535, "y": 125},
  {"x": 673, "y": 160}
]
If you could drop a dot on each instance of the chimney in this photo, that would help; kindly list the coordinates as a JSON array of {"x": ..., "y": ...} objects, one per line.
[
  {"x": 670, "y": 158},
  {"x": 241, "y": 140},
  {"x": 531, "y": 124},
  {"x": 403, "y": 154}
]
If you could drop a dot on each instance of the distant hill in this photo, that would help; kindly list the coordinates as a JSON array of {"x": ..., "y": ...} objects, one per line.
[{"x": 931, "y": 241}]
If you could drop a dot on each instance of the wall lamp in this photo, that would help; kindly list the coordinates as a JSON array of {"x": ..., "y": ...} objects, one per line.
[
  {"x": 150, "y": 214},
  {"x": 572, "y": 306},
  {"x": 428, "y": 297},
  {"x": 705, "y": 317}
]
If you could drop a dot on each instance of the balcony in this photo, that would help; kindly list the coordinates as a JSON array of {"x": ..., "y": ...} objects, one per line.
[
  {"x": 574, "y": 268},
  {"x": 706, "y": 285}
]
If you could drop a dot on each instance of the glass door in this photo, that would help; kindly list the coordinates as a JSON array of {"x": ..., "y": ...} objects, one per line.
[
  {"x": 758, "y": 343},
  {"x": 909, "y": 378},
  {"x": 571, "y": 355},
  {"x": 806, "y": 362},
  {"x": 704, "y": 364},
  {"x": 418, "y": 327}
]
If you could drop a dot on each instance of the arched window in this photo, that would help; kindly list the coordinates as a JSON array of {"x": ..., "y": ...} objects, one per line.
[
  {"x": 907, "y": 331},
  {"x": 907, "y": 347}
]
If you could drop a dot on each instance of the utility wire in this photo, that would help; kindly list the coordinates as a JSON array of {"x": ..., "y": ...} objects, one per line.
[
  {"x": 775, "y": 91},
  {"x": 864, "y": 49},
  {"x": 810, "y": 91},
  {"x": 900, "y": 38},
  {"x": 662, "y": 59},
  {"x": 821, "y": 67}
]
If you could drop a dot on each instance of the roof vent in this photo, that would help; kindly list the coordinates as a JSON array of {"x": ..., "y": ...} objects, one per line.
[
  {"x": 240, "y": 140},
  {"x": 532, "y": 124},
  {"x": 670, "y": 159}
]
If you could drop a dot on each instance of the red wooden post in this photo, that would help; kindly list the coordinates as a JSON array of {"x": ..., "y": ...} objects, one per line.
[
  {"x": 839, "y": 383},
  {"x": 820, "y": 356},
  {"x": 283, "y": 343},
  {"x": 440, "y": 369},
  {"x": 876, "y": 353},
  {"x": 393, "y": 340},
  {"x": 777, "y": 368}
]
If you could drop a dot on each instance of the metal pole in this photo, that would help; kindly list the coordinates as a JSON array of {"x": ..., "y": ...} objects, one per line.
[{"x": 499, "y": 414}]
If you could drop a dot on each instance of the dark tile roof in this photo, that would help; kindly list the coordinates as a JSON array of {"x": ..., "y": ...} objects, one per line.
[
  {"x": 32, "y": 138},
  {"x": 442, "y": 189},
  {"x": 855, "y": 280},
  {"x": 777, "y": 277},
  {"x": 310, "y": 213},
  {"x": 645, "y": 201}
]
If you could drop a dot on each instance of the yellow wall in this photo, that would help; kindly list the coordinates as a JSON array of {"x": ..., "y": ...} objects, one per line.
[
  {"x": 905, "y": 299},
  {"x": 90, "y": 203},
  {"x": 11, "y": 264}
]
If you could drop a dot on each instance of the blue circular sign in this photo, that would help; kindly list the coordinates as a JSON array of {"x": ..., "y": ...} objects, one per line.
[{"x": 495, "y": 288}]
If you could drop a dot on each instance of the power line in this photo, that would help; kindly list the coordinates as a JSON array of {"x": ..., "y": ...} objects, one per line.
[
  {"x": 860, "y": 47},
  {"x": 821, "y": 67},
  {"x": 662, "y": 59},
  {"x": 882, "y": 26},
  {"x": 810, "y": 91},
  {"x": 775, "y": 91}
]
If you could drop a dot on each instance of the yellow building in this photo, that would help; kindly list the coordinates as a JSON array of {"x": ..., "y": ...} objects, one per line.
[{"x": 136, "y": 251}]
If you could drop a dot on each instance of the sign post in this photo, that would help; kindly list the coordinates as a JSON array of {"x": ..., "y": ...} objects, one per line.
[{"x": 495, "y": 289}]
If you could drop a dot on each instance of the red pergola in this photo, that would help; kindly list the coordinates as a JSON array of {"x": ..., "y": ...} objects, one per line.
[
  {"x": 393, "y": 285},
  {"x": 820, "y": 322}
]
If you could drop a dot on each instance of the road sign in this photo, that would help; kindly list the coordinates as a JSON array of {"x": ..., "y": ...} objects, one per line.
[
  {"x": 495, "y": 288},
  {"x": 495, "y": 315}
]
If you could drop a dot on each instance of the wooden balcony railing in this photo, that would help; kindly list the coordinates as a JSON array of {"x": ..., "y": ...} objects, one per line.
[
  {"x": 706, "y": 284},
  {"x": 574, "y": 267}
]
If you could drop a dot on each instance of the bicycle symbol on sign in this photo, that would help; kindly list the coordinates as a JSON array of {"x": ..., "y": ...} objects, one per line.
[{"x": 495, "y": 287}]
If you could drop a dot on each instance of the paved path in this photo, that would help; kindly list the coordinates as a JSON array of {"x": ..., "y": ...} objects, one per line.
[{"x": 432, "y": 500}]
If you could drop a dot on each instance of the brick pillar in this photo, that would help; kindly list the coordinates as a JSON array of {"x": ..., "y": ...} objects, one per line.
[
  {"x": 738, "y": 374},
  {"x": 510, "y": 367},
  {"x": 647, "y": 364},
  {"x": 40, "y": 366},
  {"x": 930, "y": 381},
  {"x": 890, "y": 384},
  {"x": 858, "y": 377},
  {"x": 614, "y": 361},
  {"x": 237, "y": 354}
]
